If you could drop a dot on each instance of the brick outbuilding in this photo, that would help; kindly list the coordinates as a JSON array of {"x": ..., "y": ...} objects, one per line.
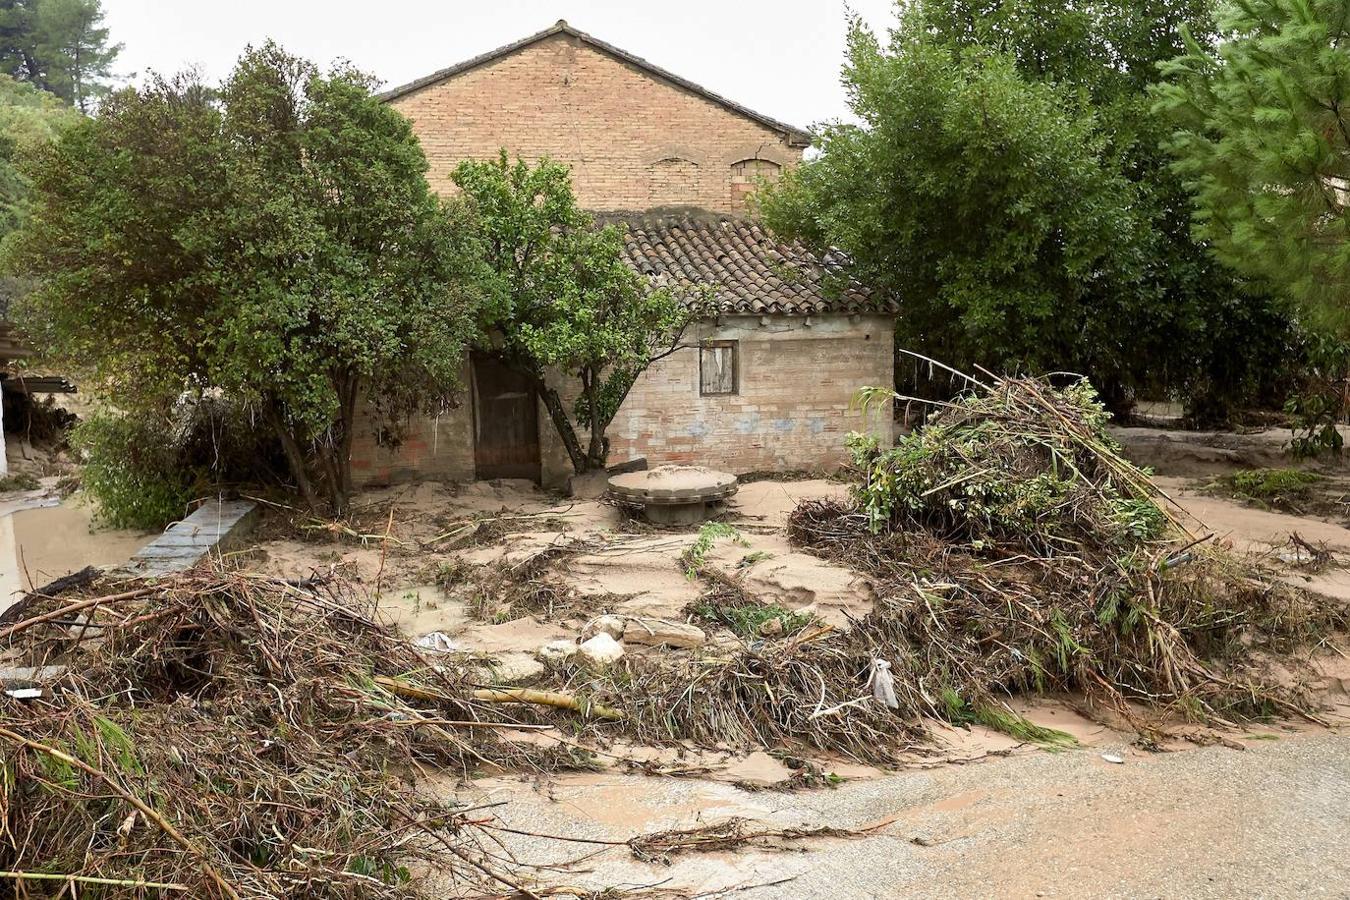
[{"x": 767, "y": 384}]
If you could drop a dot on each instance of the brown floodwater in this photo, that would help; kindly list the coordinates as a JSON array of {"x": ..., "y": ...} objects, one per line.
[{"x": 41, "y": 542}]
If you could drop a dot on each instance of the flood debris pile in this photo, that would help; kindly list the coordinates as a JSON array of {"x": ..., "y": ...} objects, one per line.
[
  {"x": 231, "y": 735},
  {"x": 1012, "y": 550}
]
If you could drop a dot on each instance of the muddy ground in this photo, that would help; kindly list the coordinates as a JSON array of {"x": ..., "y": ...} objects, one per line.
[
  {"x": 1260, "y": 812},
  {"x": 1264, "y": 812}
]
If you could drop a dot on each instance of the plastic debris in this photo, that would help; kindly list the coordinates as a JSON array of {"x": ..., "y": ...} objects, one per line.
[
  {"x": 883, "y": 684},
  {"x": 436, "y": 642}
]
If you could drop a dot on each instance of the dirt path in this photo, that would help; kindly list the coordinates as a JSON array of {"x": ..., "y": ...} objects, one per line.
[{"x": 1270, "y": 821}]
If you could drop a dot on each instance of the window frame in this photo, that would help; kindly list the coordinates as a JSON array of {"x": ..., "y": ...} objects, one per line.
[{"x": 735, "y": 347}]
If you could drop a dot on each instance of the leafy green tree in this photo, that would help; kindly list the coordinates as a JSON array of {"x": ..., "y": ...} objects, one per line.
[
  {"x": 29, "y": 118},
  {"x": 1156, "y": 311},
  {"x": 275, "y": 241},
  {"x": 1263, "y": 138},
  {"x": 978, "y": 198},
  {"x": 566, "y": 301},
  {"x": 61, "y": 46},
  {"x": 1201, "y": 329}
]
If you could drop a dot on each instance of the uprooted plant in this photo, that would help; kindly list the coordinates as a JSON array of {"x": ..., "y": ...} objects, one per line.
[
  {"x": 229, "y": 735},
  {"x": 1011, "y": 549}
]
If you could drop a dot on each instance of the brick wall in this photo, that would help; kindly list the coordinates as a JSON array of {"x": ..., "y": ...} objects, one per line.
[
  {"x": 434, "y": 447},
  {"x": 634, "y": 141},
  {"x": 792, "y": 409}
]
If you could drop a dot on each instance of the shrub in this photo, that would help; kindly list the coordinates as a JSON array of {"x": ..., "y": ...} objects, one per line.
[{"x": 131, "y": 471}]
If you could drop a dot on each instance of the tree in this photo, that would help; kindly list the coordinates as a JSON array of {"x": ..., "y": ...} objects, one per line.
[
  {"x": 1156, "y": 312},
  {"x": 1263, "y": 139},
  {"x": 566, "y": 301},
  {"x": 58, "y": 45},
  {"x": 1201, "y": 327},
  {"x": 979, "y": 199},
  {"x": 29, "y": 118},
  {"x": 275, "y": 241}
]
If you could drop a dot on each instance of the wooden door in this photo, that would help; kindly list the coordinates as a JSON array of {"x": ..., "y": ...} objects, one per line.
[{"x": 505, "y": 422}]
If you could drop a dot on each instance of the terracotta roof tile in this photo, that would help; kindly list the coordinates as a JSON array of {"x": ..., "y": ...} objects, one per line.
[{"x": 748, "y": 270}]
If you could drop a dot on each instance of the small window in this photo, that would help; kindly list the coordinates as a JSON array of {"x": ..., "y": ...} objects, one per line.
[{"x": 718, "y": 366}]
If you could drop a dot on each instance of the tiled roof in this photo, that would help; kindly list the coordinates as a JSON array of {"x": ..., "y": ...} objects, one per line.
[
  {"x": 797, "y": 137},
  {"x": 748, "y": 270}
]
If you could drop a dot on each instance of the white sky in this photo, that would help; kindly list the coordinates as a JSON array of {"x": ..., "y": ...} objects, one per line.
[{"x": 779, "y": 58}]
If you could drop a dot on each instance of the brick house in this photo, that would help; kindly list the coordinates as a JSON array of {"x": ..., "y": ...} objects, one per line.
[{"x": 767, "y": 384}]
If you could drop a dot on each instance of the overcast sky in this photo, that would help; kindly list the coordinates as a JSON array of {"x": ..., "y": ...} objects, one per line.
[{"x": 778, "y": 57}]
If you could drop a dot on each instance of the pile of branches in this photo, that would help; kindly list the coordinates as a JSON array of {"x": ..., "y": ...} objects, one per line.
[
  {"x": 1012, "y": 550},
  {"x": 233, "y": 736}
]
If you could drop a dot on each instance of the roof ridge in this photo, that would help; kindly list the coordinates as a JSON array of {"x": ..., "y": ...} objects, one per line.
[{"x": 793, "y": 133}]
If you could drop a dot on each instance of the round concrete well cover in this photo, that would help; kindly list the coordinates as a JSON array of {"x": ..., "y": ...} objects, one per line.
[{"x": 674, "y": 485}]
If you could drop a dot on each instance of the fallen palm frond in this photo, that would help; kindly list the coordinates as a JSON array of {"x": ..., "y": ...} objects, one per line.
[
  {"x": 229, "y": 735},
  {"x": 1011, "y": 549}
]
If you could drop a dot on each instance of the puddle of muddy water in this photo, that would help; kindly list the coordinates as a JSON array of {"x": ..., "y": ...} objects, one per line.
[{"x": 41, "y": 542}]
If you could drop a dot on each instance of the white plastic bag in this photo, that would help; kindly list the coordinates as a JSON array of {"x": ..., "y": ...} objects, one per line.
[{"x": 883, "y": 684}]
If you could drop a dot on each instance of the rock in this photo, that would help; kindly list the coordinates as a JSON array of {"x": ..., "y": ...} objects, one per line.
[
  {"x": 601, "y": 650},
  {"x": 659, "y": 633},
  {"x": 514, "y": 668},
  {"x": 557, "y": 651},
  {"x": 614, "y": 626},
  {"x": 591, "y": 486},
  {"x": 771, "y": 627}
]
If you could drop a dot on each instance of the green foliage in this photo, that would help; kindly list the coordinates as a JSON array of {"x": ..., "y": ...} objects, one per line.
[
  {"x": 19, "y": 481},
  {"x": 1036, "y": 225},
  {"x": 29, "y": 118},
  {"x": 1271, "y": 487},
  {"x": 1267, "y": 483},
  {"x": 1262, "y": 139},
  {"x": 60, "y": 46},
  {"x": 131, "y": 472},
  {"x": 1319, "y": 403},
  {"x": 985, "y": 472},
  {"x": 959, "y": 712},
  {"x": 710, "y": 533},
  {"x": 746, "y": 619},
  {"x": 565, "y": 299},
  {"x": 1002, "y": 232},
  {"x": 275, "y": 240}
]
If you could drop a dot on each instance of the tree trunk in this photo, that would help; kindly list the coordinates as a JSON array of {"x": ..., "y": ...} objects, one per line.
[
  {"x": 295, "y": 457},
  {"x": 595, "y": 455},
  {"x": 348, "y": 395},
  {"x": 558, "y": 413}
]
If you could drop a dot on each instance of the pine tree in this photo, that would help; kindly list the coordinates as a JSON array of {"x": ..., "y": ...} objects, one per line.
[
  {"x": 1263, "y": 140},
  {"x": 60, "y": 46}
]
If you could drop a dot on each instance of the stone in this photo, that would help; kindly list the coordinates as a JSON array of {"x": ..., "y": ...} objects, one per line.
[
  {"x": 614, "y": 626},
  {"x": 590, "y": 486},
  {"x": 660, "y": 633},
  {"x": 601, "y": 650},
  {"x": 771, "y": 627},
  {"x": 557, "y": 651},
  {"x": 514, "y": 668}
]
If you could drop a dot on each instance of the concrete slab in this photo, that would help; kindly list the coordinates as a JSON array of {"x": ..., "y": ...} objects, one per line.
[{"x": 215, "y": 527}]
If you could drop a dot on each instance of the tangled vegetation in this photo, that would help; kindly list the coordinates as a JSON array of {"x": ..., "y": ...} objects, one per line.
[
  {"x": 1011, "y": 550},
  {"x": 234, "y": 736}
]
